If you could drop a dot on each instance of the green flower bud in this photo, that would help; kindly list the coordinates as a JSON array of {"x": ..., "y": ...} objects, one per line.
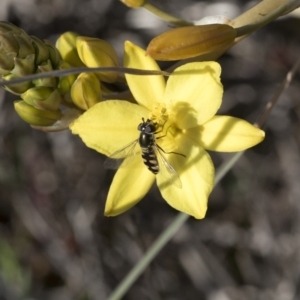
[
  {"x": 17, "y": 88},
  {"x": 14, "y": 44},
  {"x": 36, "y": 116},
  {"x": 9, "y": 43},
  {"x": 6, "y": 62},
  {"x": 191, "y": 41},
  {"x": 41, "y": 50},
  {"x": 50, "y": 81},
  {"x": 16, "y": 38},
  {"x": 8, "y": 27},
  {"x": 65, "y": 82},
  {"x": 98, "y": 53},
  {"x": 25, "y": 44},
  {"x": 55, "y": 56},
  {"x": 66, "y": 45},
  {"x": 43, "y": 98},
  {"x": 86, "y": 91},
  {"x": 16, "y": 56},
  {"x": 24, "y": 66}
]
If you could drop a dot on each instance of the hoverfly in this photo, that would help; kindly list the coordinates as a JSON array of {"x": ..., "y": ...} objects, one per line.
[{"x": 152, "y": 155}]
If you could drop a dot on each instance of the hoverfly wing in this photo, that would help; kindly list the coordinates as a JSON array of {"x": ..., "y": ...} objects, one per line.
[
  {"x": 121, "y": 158},
  {"x": 166, "y": 169}
]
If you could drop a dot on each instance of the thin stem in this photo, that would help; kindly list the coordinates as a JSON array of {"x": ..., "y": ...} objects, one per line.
[
  {"x": 284, "y": 85},
  {"x": 65, "y": 72},
  {"x": 247, "y": 29},
  {"x": 165, "y": 16}
]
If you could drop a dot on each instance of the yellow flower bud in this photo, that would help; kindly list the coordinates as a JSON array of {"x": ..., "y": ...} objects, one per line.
[
  {"x": 133, "y": 3},
  {"x": 98, "y": 53},
  {"x": 190, "y": 41},
  {"x": 86, "y": 91},
  {"x": 36, "y": 116},
  {"x": 43, "y": 98},
  {"x": 65, "y": 82},
  {"x": 66, "y": 45}
]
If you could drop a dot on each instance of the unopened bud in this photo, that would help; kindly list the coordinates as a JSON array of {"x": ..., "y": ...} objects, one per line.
[
  {"x": 17, "y": 88},
  {"x": 6, "y": 62},
  {"x": 98, "y": 53},
  {"x": 65, "y": 82},
  {"x": 191, "y": 41},
  {"x": 43, "y": 98},
  {"x": 66, "y": 45},
  {"x": 36, "y": 116},
  {"x": 41, "y": 50},
  {"x": 23, "y": 66},
  {"x": 14, "y": 42},
  {"x": 55, "y": 56},
  {"x": 86, "y": 91},
  {"x": 25, "y": 44},
  {"x": 48, "y": 81}
]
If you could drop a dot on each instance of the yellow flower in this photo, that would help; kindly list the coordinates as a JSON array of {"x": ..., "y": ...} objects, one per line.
[{"x": 184, "y": 107}]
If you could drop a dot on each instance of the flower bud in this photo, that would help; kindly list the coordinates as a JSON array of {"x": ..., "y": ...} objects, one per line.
[
  {"x": 17, "y": 88},
  {"x": 55, "y": 56},
  {"x": 25, "y": 44},
  {"x": 41, "y": 50},
  {"x": 36, "y": 116},
  {"x": 23, "y": 66},
  {"x": 6, "y": 63},
  {"x": 48, "y": 81},
  {"x": 65, "y": 82},
  {"x": 43, "y": 98},
  {"x": 133, "y": 3},
  {"x": 8, "y": 27},
  {"x": 66, "y": 45},
  {"x": 98, "y": 53},
  {"x": 86, "y": 91},
  {"x": 15, "y": 45},
  {"x": 191, "y": 41}
]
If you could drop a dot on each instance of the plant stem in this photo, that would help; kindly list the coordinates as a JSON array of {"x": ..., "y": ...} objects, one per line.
[{"x": 165, "y": 16}]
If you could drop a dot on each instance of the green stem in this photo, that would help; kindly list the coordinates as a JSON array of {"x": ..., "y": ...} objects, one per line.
[
  {"x": 165, "y": 16},
  {"x": 164, "y": 238},
  {"x": 247, "y": 29}
]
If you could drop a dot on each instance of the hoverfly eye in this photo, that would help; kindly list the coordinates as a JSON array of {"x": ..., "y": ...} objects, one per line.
[{"x": 140, "y": 127}]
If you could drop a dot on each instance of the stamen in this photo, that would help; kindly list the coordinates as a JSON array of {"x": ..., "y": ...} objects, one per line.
[{"x": 159, "y": 114}]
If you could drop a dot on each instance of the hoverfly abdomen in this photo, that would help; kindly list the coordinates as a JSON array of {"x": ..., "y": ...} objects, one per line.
[
  {"x": 150, "y": 159},
  {"x": 147, "y": 143}
]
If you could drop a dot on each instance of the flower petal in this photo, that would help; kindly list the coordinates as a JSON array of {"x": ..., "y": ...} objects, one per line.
[
  {"x": 196, "y": 172},
  {"x": 129, "y": 186},
  {"x": 227, "y": 134},
  {"x": 145, "y": 89},
  {"x": 195, "y": 93},
  {"x": 110, "y": 125}
]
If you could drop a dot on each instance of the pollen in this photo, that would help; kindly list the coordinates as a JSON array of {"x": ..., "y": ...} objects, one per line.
[{"x": 159, "y": 114}]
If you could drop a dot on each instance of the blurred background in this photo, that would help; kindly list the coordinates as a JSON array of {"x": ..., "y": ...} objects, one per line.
[{"x": 55, "y": 242}]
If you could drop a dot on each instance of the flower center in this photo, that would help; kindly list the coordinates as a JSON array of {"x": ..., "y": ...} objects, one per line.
[{"x": 159, "y": 114}]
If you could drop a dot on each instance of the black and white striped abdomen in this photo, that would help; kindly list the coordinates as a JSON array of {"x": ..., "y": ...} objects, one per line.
[{"x": 150, "y": 159}]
